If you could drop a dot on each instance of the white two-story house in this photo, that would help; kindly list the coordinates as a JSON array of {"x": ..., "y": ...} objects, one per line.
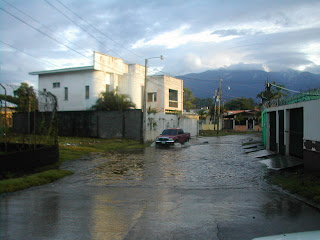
[{"x": 78, "y": 88}]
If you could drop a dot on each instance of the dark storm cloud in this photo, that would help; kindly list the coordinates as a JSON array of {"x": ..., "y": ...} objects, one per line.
[{"x": 270, "y": 33}]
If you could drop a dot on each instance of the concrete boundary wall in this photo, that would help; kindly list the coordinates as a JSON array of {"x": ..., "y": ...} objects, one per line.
[
  {"x": 101, "y": 124},
  {"x": 157, "y": 122}
]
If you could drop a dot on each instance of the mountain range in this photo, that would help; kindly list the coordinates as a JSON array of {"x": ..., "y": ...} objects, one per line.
[{"x": 246, "y": 83}]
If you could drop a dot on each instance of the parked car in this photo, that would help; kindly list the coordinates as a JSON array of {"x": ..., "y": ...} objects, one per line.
[{"x": 172, "y": 135}]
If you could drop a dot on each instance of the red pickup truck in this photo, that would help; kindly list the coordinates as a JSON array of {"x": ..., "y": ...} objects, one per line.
[{"x": 172, "y": 135}]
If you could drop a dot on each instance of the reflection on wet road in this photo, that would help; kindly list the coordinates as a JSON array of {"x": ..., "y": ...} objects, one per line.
[{"x": 194, "y": 191}]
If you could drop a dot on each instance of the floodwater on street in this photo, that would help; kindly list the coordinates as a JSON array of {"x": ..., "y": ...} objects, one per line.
[{"x": 205, "y": 189}]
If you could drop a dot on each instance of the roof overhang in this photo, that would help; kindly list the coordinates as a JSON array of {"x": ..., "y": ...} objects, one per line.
[{"x": 63, "y": 70}]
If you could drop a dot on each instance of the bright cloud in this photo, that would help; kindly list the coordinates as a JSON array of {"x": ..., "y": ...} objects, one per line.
[{"x": 179, "y": 37}]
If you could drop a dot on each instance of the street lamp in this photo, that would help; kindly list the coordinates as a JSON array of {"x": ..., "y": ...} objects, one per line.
[{"x": 145, "y": 96}]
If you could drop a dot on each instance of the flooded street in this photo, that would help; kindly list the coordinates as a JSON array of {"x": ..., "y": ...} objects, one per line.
[{"x": 206, "y": 189}]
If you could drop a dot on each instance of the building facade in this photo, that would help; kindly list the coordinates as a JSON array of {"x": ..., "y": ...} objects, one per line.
[
  {"x": 78, "y": 89},
  {"x": 291, "y": 127}
]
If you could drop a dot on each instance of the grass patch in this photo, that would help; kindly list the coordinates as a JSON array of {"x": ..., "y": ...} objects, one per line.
[
  {"x": 213, "y": 133},
  {"x": 304, "y": 184},
  {"x": 72, "y": 148},
  {"x": 15, "y": 184}
]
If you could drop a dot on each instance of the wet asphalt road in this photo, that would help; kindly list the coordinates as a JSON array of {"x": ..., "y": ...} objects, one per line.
[{"x": 197, "y": 191}]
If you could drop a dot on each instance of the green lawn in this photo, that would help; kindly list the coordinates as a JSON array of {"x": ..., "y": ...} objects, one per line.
[
  {"x": 302, "y": 183},
  {"x": 15, "y": 184},
  {"x": 73, "y": 148},
  {"x": 213, "y": 133}
]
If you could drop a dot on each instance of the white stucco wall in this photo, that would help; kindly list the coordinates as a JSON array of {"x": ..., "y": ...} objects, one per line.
[
  {"x": 311, "y": 116},
  {"x": 161, "y": 85},
  {"x": 156, "y": 123},
  {"x": 75, "y": 82}
]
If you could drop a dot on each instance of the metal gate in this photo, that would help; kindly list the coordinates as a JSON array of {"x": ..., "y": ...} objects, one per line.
[
  {"x": 282, "y": 147},
  {"x": 272, "y": 131},
  {"x": 296, "y": 132}
]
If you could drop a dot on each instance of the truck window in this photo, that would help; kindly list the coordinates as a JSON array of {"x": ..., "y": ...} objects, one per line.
[{"x": 169, "y": 132}]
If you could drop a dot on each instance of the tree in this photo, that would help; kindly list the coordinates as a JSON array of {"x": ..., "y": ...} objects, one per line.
[
  {"x": 273, "y": 92},
  {"x": 26, "y": 98},
  {"x": 202, "y": 113},
  {"x": 113, "y": 101},
  {"x": 241, "y": 103},
  {"x": 188, "y": 99},
  {"x": 203, "y": 102}
]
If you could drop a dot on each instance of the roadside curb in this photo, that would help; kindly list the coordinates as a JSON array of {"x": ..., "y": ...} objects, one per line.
[{"x": 301, "y": 199}]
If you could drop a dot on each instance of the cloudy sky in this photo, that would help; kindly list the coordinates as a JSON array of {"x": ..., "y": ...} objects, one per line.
[{"x": 193, "y": 36}]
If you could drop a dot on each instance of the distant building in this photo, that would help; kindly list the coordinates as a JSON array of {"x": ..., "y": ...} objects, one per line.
[
  {"x": 78, "y": 88},
  {"x": 242, "y": 120}
]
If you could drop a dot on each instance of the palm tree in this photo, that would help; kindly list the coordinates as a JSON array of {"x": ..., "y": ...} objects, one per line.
[{"x": 113, "y": 101}]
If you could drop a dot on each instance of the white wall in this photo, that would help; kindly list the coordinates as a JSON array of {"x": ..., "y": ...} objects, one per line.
[
  {"x": 161, "y": 85},
  {"x": 156, "y": 123},
  {"x": 75, "y": 82},
  {"x": 311, "y": 116}
]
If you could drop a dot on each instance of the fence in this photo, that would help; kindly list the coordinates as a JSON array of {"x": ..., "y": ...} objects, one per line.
[
  {"x": 101, "y": 124},
  {"x": 25, "y": 149}
]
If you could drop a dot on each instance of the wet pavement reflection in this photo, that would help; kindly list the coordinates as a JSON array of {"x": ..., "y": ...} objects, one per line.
[{"x": 205, "y": 189}]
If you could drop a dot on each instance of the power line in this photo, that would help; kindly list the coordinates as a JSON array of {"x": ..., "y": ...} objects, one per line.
[
  {"x": 99, "y": 30},
  {"x": 29, "y": 54},
  {"x": 52, "y": 38},
  {"x": 284, "y": 88},
  {"x": 82, "y": 28},
  {"x": 44, "y": 26}
]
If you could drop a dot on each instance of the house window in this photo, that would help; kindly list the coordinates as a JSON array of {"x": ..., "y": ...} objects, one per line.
[
  {"x": 44, "y": 90},
  {"x": 173, "y": 98},
  {"x": 66, "y": 94},
  {"x": 56, "y": 85},
  {"x": 152, "y": 97},
  {"x": 107, "y": 87},
  {"x": 87, "y": 92}
]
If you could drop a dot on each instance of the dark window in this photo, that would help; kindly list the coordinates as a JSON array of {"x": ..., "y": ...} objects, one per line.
[
  {"x": 173, "y": 95},
  {"x": 180, "y": 131},
  {"x": 170, "y": 132},
  {"x": 44, "y": 89},
  {"x": 107, "y": 87},
  {"x": 56, "y": 85},
  {"x": 66, "y": 94},
  {"x": 152, "y": 97},
  {"x": 173, "y": 98},
  {"x": 87, "y": 92}
]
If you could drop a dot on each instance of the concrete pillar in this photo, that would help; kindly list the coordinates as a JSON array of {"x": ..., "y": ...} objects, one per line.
[
  {"x": 234, "y": 124},
  {"x": 287, "y": 129},
  {"x": 277, "y": 129},
  {"x": 247, "y": 124}
]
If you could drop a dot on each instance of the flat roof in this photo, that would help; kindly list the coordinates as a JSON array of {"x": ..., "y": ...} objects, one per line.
[{"x": 63, "y": 70}]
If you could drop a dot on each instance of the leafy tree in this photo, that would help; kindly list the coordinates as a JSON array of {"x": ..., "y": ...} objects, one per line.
[
  {"x": 188, "y": 99},
  {"x": 26, "y": 98},
  {"x": 240, "y": 103},
  {"x": 202, "y": 113},
  {"x": 273, "y": 92},
  {"x": 203, "y": 102},
  {"x": 113, "y": 101}
]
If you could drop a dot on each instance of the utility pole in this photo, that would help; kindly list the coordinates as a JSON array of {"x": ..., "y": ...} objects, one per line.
[
  {"x": 214, "y": 109},
  {"x": 219, "y": 106},
  {"x": 144, "y": 121}
]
